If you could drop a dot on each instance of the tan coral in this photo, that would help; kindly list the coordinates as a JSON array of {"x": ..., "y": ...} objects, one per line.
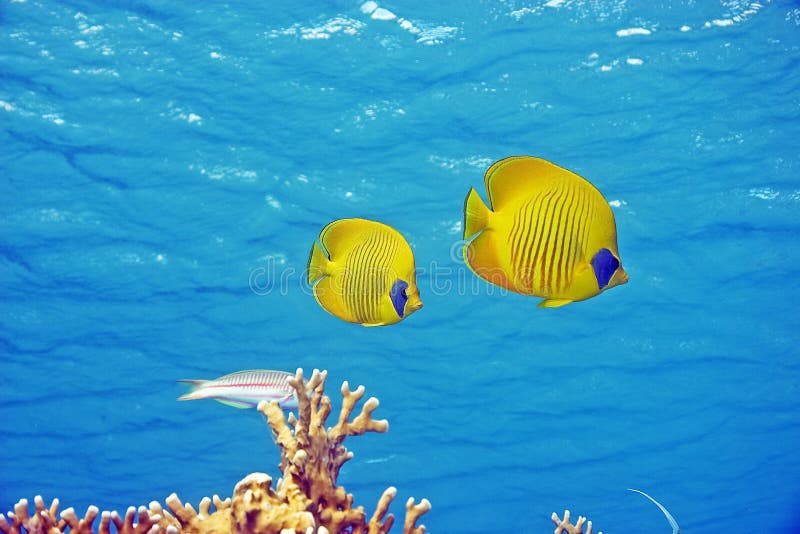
[
  {"x": 305, "y": 500},
  {"x": 312, "y": 456},
  {"x": 565, "y": 525}
]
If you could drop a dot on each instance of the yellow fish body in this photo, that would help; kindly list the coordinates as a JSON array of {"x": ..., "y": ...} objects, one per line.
[
  {"x": 549, "y": 233},
  {"x": 364, "y": 273}
]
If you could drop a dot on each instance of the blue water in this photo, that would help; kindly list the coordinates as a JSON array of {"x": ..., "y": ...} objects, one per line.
[{"x": 164, "y": 169}]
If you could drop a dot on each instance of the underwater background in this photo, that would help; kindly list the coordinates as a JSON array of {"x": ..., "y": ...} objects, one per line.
[{"x": 165, "y": 167}]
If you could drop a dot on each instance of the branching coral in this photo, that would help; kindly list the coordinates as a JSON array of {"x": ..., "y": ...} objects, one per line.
[
  {"x": 564, "y": 525},
  {"x": 306, "y": 499}
]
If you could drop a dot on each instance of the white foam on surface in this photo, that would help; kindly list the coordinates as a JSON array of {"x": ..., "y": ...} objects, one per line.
[
  {"x": 457, "y": 164},
  {"x": 436, "y": 35},
  {"x": 96, "y": 71},
  {"x": 554, "y": 3},
  {"x": 383, "y": 14},
  {"x": 627, "y": 32},
  {"x": 335, "y": 25},
  {"x": 6, "y": 106},
  {"x": 222, "y": 172},
  {"x": 634, "y": 61},
  {"x": 764, "y": 193},
  {"x": 91, "y": 30},
  {"x": 369, "y": 7},
  {"x": 272, "y": 202},
  {"x": 52, "y": 117},
  {"x": 685, "y": 28}
]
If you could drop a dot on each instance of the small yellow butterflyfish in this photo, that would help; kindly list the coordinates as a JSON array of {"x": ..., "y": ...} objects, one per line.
[
  {"x": 363, "y": 272},
  {"x": 548, "y": 233}
]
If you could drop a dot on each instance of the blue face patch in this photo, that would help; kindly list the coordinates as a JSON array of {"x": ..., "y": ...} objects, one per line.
[
  {"x": 604, "y": 264},
  {"x": 398, "y": 296}
]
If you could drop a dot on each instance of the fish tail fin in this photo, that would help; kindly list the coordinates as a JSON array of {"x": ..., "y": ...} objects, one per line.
[
  {"x": 318, "y": 263},
  {"x": 476, "y": 214},
  {"x": 192, "y": 394}
]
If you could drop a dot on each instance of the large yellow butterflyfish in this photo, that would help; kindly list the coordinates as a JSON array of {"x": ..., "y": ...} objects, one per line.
[
  {"x": 363, "y": 272},
  {"x": 548, "y": 233}
]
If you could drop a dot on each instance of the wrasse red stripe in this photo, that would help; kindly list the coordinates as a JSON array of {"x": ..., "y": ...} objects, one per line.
[{"x": 249, "y": 384}]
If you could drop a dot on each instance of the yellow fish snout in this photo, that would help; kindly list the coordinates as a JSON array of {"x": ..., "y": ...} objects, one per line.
[{"x": 414, "y": 302}]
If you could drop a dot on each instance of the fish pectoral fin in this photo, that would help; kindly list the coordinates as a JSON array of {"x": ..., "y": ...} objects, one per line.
[
  {"x": 236, "y": 404},
  {"x": 553, "y": 303}
]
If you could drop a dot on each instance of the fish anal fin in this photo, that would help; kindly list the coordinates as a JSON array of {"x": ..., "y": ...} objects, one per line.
[
  {"x": 328, "y": 294},
  {"x": 480, "y": 255},
  {"x": 236, "y": 404},
  {"x": 553, "y": 303},
  {"x": 506, "y": 178},
  {"x": 370, "y": 325}
]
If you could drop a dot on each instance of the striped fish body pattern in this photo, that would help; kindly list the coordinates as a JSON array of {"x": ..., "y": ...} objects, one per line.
[
  {"x": 363, "y": 272},
  {"x": 548, "y": 233},
  {"x": 245, "y": 389}
]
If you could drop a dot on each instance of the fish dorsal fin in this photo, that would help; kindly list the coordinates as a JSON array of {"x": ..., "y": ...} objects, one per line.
[
  {"x": 339, "y": 237},
  {"x": 509, "y": 177}
]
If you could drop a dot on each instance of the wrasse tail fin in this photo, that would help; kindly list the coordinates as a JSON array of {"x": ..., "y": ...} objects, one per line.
[{"x": 192, "y": 393}]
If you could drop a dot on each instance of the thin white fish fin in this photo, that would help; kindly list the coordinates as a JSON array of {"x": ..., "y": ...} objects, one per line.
[
  {"x": 674, "y": 524},
  {"x": 196, "y": 385},
  {"x": 236, "y": 404}
]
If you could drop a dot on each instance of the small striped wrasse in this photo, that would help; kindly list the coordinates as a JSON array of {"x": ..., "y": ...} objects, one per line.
[
  {"x": 245, "y": 389},
  {"x": 547, "y": 232},
  {"x": 363, "y": 272}
]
